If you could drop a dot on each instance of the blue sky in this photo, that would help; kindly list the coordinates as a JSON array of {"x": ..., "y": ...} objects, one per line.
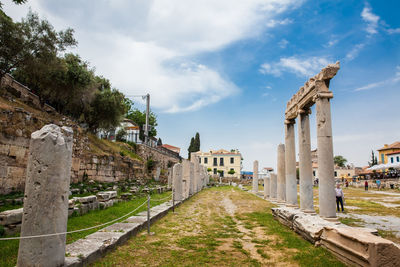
[{"x": 226, "y": 69}]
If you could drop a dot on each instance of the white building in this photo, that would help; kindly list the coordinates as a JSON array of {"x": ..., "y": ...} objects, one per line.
[{"x": 131, "y": 128}]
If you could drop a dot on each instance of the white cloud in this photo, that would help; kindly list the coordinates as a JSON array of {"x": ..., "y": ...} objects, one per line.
[
  {"x": 392, "y": 80},
  {"x": 283, "y": 43},
  {"x": 371, "y": 19},
  {"x": 332, "y": 43},
  {"x": 150, "y": 46},
  {"x": 273, "y": 23},
  {"x": 393, "y": 31},
  {"x": 297, "y": 65},
  {"x": 353, "y": 53}
]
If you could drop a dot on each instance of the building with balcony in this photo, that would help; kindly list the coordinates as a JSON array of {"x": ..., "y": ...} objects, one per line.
[{"x": 222, "y": 162}]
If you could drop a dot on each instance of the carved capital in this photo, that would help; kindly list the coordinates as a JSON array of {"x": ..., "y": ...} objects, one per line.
[
  {"x": 306, "y": 111},
  {"x": 319, "y": 95},
  {"x": 290, "y": 122}
]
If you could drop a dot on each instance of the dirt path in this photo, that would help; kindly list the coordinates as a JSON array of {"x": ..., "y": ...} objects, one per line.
[{"x": 219, "y": 227}]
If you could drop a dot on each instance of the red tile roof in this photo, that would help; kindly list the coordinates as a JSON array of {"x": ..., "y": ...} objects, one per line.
[{"x": 392, "y": 146}]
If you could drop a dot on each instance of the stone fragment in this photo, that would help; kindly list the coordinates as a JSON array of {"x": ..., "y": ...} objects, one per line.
[
  {"x": 106, "y": 195},
  {"x": 11, "y": 216}
]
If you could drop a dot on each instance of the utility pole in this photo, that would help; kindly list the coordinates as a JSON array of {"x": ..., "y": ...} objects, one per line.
[{"x": 146, "y": 131}]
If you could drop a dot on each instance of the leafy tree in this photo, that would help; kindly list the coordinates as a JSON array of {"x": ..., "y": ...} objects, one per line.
[
  {"x": 139, "y": 117},
  {"x": 339, "y": 161},
  {"x": 32, "y": 44},
  {"x": 209, "y": 169},
  {"x": 107, "y": 110},
  {"x": 18, "y": 2},
  {"x": 232, "y": 172}
]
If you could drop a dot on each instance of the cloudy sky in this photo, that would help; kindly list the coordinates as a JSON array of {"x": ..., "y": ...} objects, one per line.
[{"x": 227, "y": 68}]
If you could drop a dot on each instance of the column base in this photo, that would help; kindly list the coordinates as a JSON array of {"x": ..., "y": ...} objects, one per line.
[
  {"x": 331, "y": 219},
  {"x": 311, "y": 212},
  {"x": 292, "y": 206}
]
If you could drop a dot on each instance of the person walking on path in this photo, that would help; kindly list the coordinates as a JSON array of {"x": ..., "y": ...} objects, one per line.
[
  {"x": 366, "y": 185},
  {"x": 339, "y": 197},
  {"x": 378, "y": 184}
]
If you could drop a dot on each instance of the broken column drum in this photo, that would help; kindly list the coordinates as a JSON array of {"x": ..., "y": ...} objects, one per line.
[
  {"x": 267, "y": 183},
  {"x": 273, "y": 187},
  {"x": 255, "y": 177},
  {"x": 46, "y": 197},
  {"x": 316, "y": 91}
]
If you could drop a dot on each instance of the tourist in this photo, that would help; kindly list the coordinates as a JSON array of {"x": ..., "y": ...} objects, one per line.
[
  {"x": 339, "y": 197},
  {"x": 366, "y": 185},
  {"x": 378, "y": 184},
  {"x": 347, "y": 184}
]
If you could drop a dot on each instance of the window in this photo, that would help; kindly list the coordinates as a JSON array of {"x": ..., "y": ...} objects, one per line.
[
  {"x": 205, "y": 160},
  {"x": 335, "y": 173},
  {"x": 348, "y": 174},
  {"x": 313, "y": 173},
  {"x": 221, "y": 161},
  {"x": 398, "y": 159},
  {"x": 215, "y": 162},
  {"x": 232, "y": 160},
  {"x": 232, "y": 169},
  {"x": 200, "y": 160},
  {"x": 382, "y": 158},
  {"x": 391, "y": 159},
  {"x": 215, "y": 170}
]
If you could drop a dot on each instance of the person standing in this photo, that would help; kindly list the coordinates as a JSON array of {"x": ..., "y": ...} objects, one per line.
[
  {"x": 366, "y": 185},
  {"x": 339, "y": 197},
  {"x": 378, "y": 184}
]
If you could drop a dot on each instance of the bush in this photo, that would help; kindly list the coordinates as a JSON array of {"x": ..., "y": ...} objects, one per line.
[
  {"x": 132, "y": 144},
  {"x": 150, "y": 164},
  {"x": 121, "y": 135}
]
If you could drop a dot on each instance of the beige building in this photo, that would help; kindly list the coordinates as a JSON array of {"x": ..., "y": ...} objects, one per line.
[{"x": 222, "y": 162}]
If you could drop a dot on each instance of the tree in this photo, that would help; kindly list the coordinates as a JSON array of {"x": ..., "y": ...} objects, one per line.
[
  {"x": 231, "y": 172},
  {"x": 139, "y": 117},
  {"x": 374, "y": 159},
  {"x": 196, "y": 145},
  {"x": 107, "y": 110},
  {"x": 17, "y": 2},
  {"x": 30, "y": 43},
  {"x": 191, "y": 147},
  {"x": 339, "y": 161},
  {"x": 159, "y": 142}
]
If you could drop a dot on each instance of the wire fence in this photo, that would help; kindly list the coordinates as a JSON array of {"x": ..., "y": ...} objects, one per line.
[{"x": 88, "y": 228}]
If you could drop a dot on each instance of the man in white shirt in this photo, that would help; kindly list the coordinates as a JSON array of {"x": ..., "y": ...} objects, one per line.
[{"x": 339, "y": 197}]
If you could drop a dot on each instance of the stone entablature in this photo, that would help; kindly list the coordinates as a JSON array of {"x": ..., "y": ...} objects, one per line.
[{"x": 315, "y": 87}]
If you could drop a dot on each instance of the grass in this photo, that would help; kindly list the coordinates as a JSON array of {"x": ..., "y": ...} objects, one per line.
[
  {"x": 201, "y": 232},
  {"x": 9, "y": 249},
  {"x": 350, "y": 221}
]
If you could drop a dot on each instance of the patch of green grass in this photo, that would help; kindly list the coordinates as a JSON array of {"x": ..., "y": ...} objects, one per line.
[
  {"x": 306, "y": 253},
  {"x": 9, "y": 207},
  {"x": 350, "y": 221},
  {"x": 262, "y": 254},
  {"x": 237, "y": 244},
  {"x": 9, "y": 249}
]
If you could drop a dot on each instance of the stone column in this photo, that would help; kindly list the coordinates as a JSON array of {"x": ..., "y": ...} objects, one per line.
[
  {"x": 188, "y": 176},
  {"x": 290, "y": 164},
  {"x": 267, "y": 182},
  {"x": 305, "y": 164},
  {"x": 281, "y": 188},
  {"x": 273, "y": 187},
  {"x": 255, "y": 177},
  {"x": 177, "y": 182},
  {"x": 327, "y": 197},
  {"x": 46, "y": 197},
  {"x": 169, "y": 177}
]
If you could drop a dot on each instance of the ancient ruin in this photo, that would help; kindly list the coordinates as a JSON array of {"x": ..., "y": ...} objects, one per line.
[{"x": 315, "y": 91}]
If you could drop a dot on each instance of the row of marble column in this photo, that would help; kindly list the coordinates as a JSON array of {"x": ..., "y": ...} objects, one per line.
[
  {"x": 188, "y": 178},
  {"x": 283, "y": 186}
]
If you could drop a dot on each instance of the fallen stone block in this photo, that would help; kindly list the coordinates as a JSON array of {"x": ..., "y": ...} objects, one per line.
[
  {"x": 285, "y": 215},
  {"x": 357, "y": 246},
  {"x": 84, "y": 200},
  {"x": 11, "y": 216},
  {"x": 106, "y": 195},
  {"x": 310, "y": 227},
  {"x": 126, "y": 196}
]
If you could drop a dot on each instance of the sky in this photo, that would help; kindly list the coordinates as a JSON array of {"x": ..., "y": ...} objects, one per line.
[{"x": 226, "y": 69}]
